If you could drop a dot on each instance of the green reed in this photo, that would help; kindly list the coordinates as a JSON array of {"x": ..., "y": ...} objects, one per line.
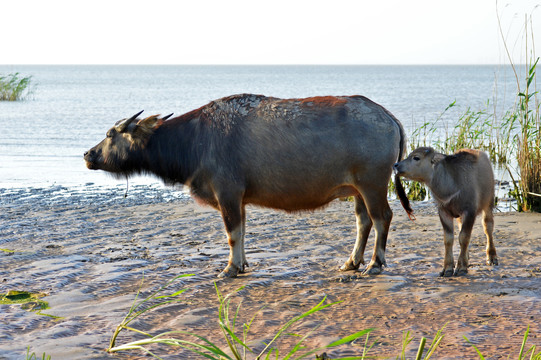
[
  {"x": 149, "y": 303},
  {"x": 529, "y": 145},
  {"x": 474, "y": 129},
  {"x": 33, "y": 356},
  {"x": 14, "y": 87},
  {"x": 407, "y": 338},
  {"x": 523, "y": 353}
]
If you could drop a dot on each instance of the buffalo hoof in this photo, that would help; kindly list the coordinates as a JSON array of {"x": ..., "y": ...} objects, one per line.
[
  {"x": 446, "y": 273},
  {"x": 492, "y": 261},
  {"x": 461, "y": 272},
  {"x": 373, "y": 270},
  {"x": 231, "y": 271},
  {"x": 349, "y": 265}
]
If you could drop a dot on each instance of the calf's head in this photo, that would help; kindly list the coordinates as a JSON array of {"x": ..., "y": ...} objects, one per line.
[
  {"x": 419, "y": 164},
  {"x": 120, "y": 152}
]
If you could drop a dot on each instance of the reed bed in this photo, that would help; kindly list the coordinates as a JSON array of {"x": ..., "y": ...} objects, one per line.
[
  {"x": 15, "y": 87},
  {"x": 528, "y": 146}
]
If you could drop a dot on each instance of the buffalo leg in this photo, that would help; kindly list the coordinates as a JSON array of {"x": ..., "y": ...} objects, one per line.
[
  {"x": 243, "y": 229},
  {"x": 364, "y": 224},
  {"x": 233, "y": 215},
  {"x": 381, "y": 215},
  {"x": 464, "y": 236},
  {"x": 488, "y": 226},
  {"x": 448, "y": 239}
]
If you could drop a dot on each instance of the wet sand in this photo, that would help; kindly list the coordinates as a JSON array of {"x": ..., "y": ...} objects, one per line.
[{"x": 89, "y": 256}]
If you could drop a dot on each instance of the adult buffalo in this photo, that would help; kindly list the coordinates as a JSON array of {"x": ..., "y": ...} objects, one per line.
[{"x": 289, "y": 154}]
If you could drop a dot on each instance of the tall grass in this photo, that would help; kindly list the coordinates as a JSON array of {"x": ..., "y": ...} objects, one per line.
[
  {"x": 14, "y": 87},
  {"x": 527, "y": 114},
  {"x": 475, "y": 129},
  {"x": 529, "y": 142}
]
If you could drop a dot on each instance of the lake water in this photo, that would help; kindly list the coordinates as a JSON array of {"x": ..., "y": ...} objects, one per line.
[{"x": 42, "y": 139}]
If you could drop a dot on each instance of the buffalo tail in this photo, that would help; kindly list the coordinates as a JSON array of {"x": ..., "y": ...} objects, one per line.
[{"x": 403, "y": 197}]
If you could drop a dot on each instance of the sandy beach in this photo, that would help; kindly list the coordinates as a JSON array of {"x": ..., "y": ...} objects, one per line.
[{"x": 89, "y": 254}]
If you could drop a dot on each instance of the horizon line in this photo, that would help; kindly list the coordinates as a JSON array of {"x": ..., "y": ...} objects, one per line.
[{"x": 256, "y": 64}]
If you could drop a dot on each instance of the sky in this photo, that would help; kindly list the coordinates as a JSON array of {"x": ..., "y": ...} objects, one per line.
[{"x": 265, "y": 32}]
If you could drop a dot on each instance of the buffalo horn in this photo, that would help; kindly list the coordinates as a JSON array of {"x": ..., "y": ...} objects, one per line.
[
  {"x": 124, "y": 125},
  {"x": 167, "y": 117},
  {"x": 136, "y": 115}
]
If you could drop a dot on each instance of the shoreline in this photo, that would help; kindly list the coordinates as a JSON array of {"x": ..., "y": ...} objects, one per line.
[
  {"x": 90, "y": 193},
  {"x": 152, "y": 192}
]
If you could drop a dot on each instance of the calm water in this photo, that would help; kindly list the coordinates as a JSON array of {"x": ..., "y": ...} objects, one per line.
[{"x": 42, "y": 139}]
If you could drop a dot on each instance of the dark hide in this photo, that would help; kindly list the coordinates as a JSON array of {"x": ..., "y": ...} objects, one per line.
[{"x": 293, "y": 155}]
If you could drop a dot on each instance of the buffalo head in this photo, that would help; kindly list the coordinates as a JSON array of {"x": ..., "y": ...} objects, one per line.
[
  {"x": 418, "y": 166},
  {"x": 120, "y": 152}
]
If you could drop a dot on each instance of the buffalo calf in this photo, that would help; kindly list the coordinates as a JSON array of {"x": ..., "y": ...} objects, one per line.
[{"x": 463, "y": 186}]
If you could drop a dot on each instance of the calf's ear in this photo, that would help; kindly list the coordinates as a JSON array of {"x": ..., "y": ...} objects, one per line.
[{"x": 437, "y": 158}]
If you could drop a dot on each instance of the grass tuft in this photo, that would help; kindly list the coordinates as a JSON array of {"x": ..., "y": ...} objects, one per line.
[
  {"x": 33, "y": 356},
  {"x": 13, "y": 87}
]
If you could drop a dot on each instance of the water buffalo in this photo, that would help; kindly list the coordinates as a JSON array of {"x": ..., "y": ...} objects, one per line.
[
  {"x": 463, "y": 186},
  {"x": 289, "y": 154}
]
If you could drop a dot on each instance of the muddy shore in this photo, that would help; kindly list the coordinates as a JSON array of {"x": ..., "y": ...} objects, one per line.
[{"x": 89, "y": 252}]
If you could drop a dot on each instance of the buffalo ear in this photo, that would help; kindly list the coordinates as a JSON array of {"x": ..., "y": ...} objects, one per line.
[
  {"x": 150, "y": 123},
  {"x": 143, "y": 130},
  {"x": 437, "y": 158}
]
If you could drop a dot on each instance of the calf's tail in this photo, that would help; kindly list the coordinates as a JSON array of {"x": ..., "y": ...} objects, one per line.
[{"x": 397, "y": 183}]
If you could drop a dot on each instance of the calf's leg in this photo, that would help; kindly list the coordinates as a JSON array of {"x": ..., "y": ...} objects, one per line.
[
  {"x": 364, "y": 224},
  {"x": 468, "y": 219},
  {"x": 448, "y": 239},
  {"x": 488, "y": 226}
]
